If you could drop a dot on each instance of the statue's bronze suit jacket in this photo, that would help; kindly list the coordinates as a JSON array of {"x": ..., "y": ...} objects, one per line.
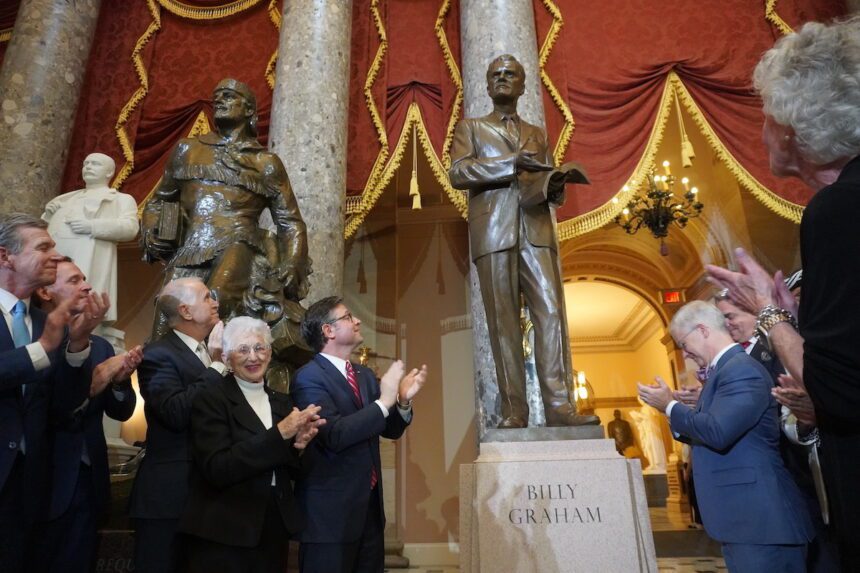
[{"x": 483, "y": 160}]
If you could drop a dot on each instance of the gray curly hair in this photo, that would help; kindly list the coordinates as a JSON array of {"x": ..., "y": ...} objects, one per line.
[
  {"x": 810, "y": 81},
  {"x": 244, "y": 325}
]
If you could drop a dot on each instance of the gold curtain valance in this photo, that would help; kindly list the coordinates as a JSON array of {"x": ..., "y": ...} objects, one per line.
[{"x": 192, "y": 12}]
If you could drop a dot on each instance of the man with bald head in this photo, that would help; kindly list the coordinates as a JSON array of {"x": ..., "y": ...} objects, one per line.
[
  {"x": 168, "y": 378},
  {"x": 88, "y": 223}
]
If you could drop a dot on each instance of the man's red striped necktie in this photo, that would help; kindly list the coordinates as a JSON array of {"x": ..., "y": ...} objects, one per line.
[{"x": 352, "y": 380}]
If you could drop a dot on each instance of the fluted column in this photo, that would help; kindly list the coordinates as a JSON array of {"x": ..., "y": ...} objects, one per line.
[
  {"x": 309, "y": 126},
  {"x": 40, "y": 83},
  {"x": 490, "y": 28}
]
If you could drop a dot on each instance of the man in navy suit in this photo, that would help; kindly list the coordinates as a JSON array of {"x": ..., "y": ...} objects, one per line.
[
  {"x": 81, "y": 480},
  {"x": 747, "y": 498},
  {"x": 341, "y": 495},
  {"x": 168, "y": 379},
  {"x": 42, "y": 377}
]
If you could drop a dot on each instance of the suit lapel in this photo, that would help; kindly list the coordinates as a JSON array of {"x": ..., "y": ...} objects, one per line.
[
  {"x": 242, "y": 411},
  {"x": 496, "y": 125},
  {"x": 336, "y": 380},
  {"x": 281, "y": 405},
  {"x": 185, "y": 353},
  {"x": 711, "y": 384}
]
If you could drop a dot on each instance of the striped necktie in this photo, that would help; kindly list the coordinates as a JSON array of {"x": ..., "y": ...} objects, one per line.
[{"x": 352, "y": 380}]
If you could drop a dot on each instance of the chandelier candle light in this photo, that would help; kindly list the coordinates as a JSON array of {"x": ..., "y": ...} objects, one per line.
[{"x": 659, "y": 207}]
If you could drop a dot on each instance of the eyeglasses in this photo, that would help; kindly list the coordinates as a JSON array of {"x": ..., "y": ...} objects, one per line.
[
  {"x": 683, "y": 344},
  {"x": 347, "y": 316},
  {"x": 259, "y": 349}
]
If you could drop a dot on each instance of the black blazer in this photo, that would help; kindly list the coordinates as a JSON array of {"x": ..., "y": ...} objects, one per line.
[
  {"x": 335, "y": 493},
  {"x": 234, "y": 457},
  {"x": 51, "y": 395},
  {"x": 168, "y": 378},
  {"x": 84, "y": 426}
]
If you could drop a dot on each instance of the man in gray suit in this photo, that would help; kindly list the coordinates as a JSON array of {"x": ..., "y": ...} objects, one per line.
[{"x": 504, "y": 164}]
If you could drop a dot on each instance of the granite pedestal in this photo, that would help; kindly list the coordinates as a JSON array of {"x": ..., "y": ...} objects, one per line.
[{"x": 566, "y": 505}]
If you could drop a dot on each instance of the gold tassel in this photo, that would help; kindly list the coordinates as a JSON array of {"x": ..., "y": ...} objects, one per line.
[
  {"x": 413, "y": 183},
  {"x": 687, "y": 152}
]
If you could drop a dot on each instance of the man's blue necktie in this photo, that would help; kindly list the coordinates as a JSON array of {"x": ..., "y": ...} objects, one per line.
[{"x": 20, "y": 334}]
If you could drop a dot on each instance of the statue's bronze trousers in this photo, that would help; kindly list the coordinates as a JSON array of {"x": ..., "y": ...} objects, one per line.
[{"x": 534, "y": 271}]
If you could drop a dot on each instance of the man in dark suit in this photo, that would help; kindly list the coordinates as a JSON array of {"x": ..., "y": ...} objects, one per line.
[
  {"x": 168, "y": 379},
  {"x": 341, "y": 495},
  {"x": 501, "y": 159},
  {"x": 81, "y": 481},
  {"x": 42, "y": 378},
  {"x": 748, "y": 500}
]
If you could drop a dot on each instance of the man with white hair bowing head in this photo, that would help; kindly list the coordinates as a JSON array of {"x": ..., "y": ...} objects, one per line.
[
  {"x": 747, "y": 498},
  {"x": 809, "y": 87}
]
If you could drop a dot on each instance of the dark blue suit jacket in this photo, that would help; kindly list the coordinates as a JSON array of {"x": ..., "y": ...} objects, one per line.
[
  {"x": 84, "y": 426},
  {"x": 335, "y": 492},
  {"x": 745, "y": 494},
  {"x": 51, "y": 395},
  {"x": 234, "y": 458},
  {"x": 168, "y": 379}
]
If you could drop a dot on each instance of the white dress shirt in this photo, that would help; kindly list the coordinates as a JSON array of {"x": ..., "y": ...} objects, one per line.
[
  {"x": 194, "y": 345},
  {"x": 340, "y": 364}
]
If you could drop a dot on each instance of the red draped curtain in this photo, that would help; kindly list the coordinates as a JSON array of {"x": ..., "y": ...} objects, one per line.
[
  {"x": 612, "y": 72},
  {"x": 151, "y": 74},
  {"x": 405, "y": 77}
]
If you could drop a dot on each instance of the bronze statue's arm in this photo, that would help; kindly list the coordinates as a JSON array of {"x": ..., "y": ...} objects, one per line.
[
  {"x": 167, "y": 191},
  {"x": 292, "y": 232},
  {"x": 468, "y": 171}
]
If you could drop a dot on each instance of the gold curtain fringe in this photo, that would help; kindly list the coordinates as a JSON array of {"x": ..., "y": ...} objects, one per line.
[
  {"x": 674, "y": 87},
  {"x": 201, "y": 127},
  {"x": 548, "y": 44},
  {"x": 5, "y": 35},
  {"x": 772, "y": 17},
  {"x": 225, "y": 10},
  {"x": 360, "y": 206},
  {"x": 608, "y": 211},
  {"x": 791, "y": 211},
  {"x": 372, "y": 188},
  {"x": 140, "y": 93},
  {"x": 456, "y": 78},
  {"x": 275, "y": 17}
]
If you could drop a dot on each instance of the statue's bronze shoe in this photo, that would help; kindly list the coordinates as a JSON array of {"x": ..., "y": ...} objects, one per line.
[
  {"x": 513, "y": 422},
  {"x": 571, "y": 419}
]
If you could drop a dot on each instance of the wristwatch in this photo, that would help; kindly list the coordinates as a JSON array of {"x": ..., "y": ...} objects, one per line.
[{"x": 770, "y": 316}]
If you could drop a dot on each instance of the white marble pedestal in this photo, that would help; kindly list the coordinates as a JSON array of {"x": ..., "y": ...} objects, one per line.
[{"x": 553, "y": 507}]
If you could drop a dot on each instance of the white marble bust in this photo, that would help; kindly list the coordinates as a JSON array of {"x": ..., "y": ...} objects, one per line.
[{"x": 88, "y": 223}]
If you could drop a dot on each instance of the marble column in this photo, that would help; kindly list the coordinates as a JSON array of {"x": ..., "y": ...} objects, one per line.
[
  {"x": 43, "y": 71},
  {"x": 309, "y": 127},
  {"x": 489, "y": 28}
]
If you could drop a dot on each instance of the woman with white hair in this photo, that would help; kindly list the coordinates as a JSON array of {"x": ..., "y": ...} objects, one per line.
[
  {"x": 810, "y": 86},
  {"x": 246, "y": 442}
]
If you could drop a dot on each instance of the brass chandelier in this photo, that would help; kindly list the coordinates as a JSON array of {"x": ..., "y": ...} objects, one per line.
[{"x": 659, "y": 208}]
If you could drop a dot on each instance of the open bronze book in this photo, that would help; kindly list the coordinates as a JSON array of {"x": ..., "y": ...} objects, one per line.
[{"x": 539, "y": 187}]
